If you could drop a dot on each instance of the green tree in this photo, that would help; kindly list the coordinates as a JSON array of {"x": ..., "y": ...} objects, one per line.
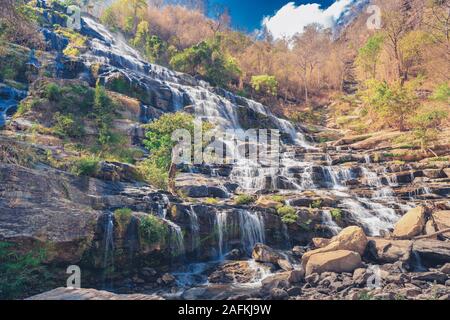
[
  {"x": 369, "y": 54},
  {"x": 153, "y": 47},
  {"x": 209, "y": 60},
  {"x": 426, "y": 124},
  {"x": 393, "y": 103},
  {"x": 159, "y": 168},
  {"x": 265, "y": 84}
]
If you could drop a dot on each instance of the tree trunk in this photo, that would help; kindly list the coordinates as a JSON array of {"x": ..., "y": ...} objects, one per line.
[{"x": 171, "y": 179}]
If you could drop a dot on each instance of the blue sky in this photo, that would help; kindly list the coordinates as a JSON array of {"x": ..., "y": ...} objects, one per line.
[{"x": 247, "y": 15}]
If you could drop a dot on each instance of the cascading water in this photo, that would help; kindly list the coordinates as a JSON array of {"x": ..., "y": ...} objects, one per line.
[
  {"x": 327, "y": 220},
  {"x": 176, "y": 239},
  {"x": 222, "y": 108},
  {"x": 220, "y": 226},
  {"x": 195, "y": 229},
  {"x": 252, "y": 229},
  {"x": 108, "y": 257}
]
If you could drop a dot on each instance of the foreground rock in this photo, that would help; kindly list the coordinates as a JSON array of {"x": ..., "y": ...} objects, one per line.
[
  {"x": 350, "y": 239},
  {"x": 389, "y": 251},
  {"x": 411, "y": 224},
  {"x": 89, "y": 294},
  {"x": 432, "y": 252},
  {"x": 337, "y": 261}
]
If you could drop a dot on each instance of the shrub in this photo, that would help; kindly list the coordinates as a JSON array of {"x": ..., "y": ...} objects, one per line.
[
  {"x": 52, "y": 92},
  {"x": 316, "y": 204},
  {"x": 86, "y": 166},
  {"x": 152, "y": 230},
  {"x": 288, "y": 214},
  {"x": 19, "y": 271},
  {"x": 244, "y": 199},
  {"x": 211, "y": 201},
  {"x": 336, "y": 214},
  {"x": 278, "y": 198},
  {"x": 123, "y": 217},
  {"x": 67, "y": 126},
  {"x": 154, "y": 174},
  {"x": 426, "y": 124},
  {"x": 265, "y": 83}
]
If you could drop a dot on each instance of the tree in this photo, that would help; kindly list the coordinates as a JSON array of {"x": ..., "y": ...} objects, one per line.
[
  {"x": 137, "y": 5},
  {"x": 208, "y": 60},
  {"x": 307, "y": 47},
  {"x": 265, "y": 83},
  {"x": 426, "y": 124},
  {"x": 159, "y": 168},
  {"x": 368, "y": 55},
  {"x": 396, "y": 23},
  {"x": 391, "y": 102},
  {"x": 18, "y": 24}
]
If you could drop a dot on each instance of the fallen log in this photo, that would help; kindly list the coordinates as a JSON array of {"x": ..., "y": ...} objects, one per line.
[{"x": 433, "y": 234}]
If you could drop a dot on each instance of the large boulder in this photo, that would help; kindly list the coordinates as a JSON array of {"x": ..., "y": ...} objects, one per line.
[
  {"x": 351, "y": 239},
  {"x": 265, "y": 254},
  {"x": 432, "y": 252},
  {"x": 388, "y": 251},
  {"x": 411, "y": 224},
  {"x": 335, "y": 261},
  {"x": 442, "y": 219}
]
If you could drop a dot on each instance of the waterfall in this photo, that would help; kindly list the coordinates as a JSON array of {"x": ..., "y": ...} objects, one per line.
[
  {"x": 375, "y": 217},
  {"x": 327, "y": 220},
  {"x": 220, "y": 226},
  {"x": 195, "y": 229},
  {"x": 252, "y": 229},
  {"x": 108, "y": 256},
  {"x": 176, "y": 239}
]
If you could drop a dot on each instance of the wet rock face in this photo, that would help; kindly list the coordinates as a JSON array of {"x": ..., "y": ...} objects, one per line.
[{"x": 235, "y": 272}]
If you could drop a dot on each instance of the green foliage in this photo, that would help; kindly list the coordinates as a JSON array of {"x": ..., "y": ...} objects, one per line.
[
  {"x": 426, "y": 124},
  {"x": 288, "y": 214},
  {"x": 67, "y": 126},
  {"x": 442, "y": 93},
  {"x": 209, "y": 60},
  {"x": 244, "y": 199},
  {"x": 109, "y": 18},
  {"x": 278, "y": 198},
  {"x": 19, "y": 271},
  {"x": 211, "y": 201},
  {"x": 265, "y": 83},
  {"x": 159, "y": 142},
  {"x": 154, "y": 174},
  {"x": 104, "y": 109},
  {"x": 152, "y": 230},
  {"x": 52, "y": 92},
  {"x": 336, "y": 214},
  {"x": 123, "y": 217},
  {"x": 85, "y": 166},
  {"x": 77, "y": 42},
  {"x": 368, "y": 55},
  {"x": 153, "y": 47},
  {"x": 392, "y": 103},
  {"x": 316, "y": 204}
]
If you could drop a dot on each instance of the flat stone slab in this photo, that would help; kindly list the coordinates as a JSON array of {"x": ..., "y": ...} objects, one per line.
[{"x": 89, "y": 294}]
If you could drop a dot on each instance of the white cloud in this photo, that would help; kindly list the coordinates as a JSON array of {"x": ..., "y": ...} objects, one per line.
[{"x": 292, "y": 19}]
